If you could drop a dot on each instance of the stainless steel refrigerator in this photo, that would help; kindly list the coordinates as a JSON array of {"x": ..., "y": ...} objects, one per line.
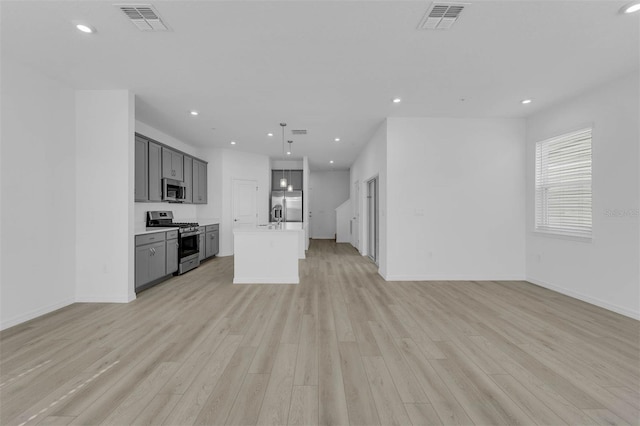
[{"x": 291, "y": 205}]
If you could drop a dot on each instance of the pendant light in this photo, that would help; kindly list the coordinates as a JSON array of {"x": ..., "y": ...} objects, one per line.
[
  {"x": 283, "y": 181},
  {"x": 290, "y": 187}
]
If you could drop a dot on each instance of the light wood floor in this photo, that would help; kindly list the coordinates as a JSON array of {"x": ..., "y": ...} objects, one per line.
[{"x": 343, "y": 347}]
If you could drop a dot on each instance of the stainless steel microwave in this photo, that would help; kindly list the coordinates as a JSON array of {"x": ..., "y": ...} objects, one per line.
[{"x": 173, "y": 190}]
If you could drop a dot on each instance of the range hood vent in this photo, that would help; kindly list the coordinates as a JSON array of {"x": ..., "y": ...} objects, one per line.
[
  {"x": 298, "y": 132},
  {"x": 143, "y": 16},
  {"x": 441, "y": 16}
]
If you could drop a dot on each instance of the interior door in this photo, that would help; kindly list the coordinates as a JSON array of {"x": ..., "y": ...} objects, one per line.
[
  {"x": 372, "y": 219},
  {"x": 355, "y": 229},
  {"x": 244, "y": 202}
]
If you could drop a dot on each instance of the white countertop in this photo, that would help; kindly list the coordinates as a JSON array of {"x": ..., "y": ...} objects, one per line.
[
  {"x": 267, "y": 228},
  {"x": 154, "y": 230},
  {"x": 208, "y": 223}
]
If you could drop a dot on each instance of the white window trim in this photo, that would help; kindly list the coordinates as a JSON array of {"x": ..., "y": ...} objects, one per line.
[{"x": 559, "y": 233}]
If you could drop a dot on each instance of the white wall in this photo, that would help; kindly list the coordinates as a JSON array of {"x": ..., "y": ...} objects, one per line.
[
  {"x": 104, "y": 196},
  {"x": 327, "y": 190},
  {"x": 38, "y": 192},
  {"x": 181, "y": 212},
  {"x": 455, "y": 199},
  {"x": 605, "y": 270},
  {"x": 224, "y": 166},
  {"x": 286, "y": 164},
  {"x": 343, "y": 222},
  {"x": 371, "y": 162}
]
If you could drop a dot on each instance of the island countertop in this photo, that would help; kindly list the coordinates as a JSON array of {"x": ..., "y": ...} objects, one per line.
[{"x": 270, "y": 227}]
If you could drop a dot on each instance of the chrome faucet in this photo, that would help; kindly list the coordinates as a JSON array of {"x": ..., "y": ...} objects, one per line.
[{"x": 276, "y": 213}]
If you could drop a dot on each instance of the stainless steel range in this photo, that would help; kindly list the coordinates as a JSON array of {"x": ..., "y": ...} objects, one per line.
[{"x": 188, "y": 237}]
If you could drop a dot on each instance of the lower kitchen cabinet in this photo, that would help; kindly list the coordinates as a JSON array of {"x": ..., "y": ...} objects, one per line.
[
  {"x": 212, "y": 233},
  {"x": 172, "y": 255},
  {"x": 151, "y": 262},
  {"x": 202, "y": 244}
]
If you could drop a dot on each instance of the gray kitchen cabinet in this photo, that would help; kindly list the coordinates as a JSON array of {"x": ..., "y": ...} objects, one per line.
[
  {"x": 294, "y": 177},
  {"x": 212, "y": 237},
  {"x": 155, "y": 171},
  {"x": 141, "y": 189},
  {"x": 155, "y": 161},
  {"x": 201, "y": 244},
  {"x": 172, "y": 254},
  {"x": 199, "y": 182},
  {"x": 172, "y": 165},
  {"x": 188, "y": 179},
  {"x": 150, "y": 258}
]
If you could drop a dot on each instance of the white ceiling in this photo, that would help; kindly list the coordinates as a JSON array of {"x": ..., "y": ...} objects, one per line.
[{"x": 331, "y": 67}]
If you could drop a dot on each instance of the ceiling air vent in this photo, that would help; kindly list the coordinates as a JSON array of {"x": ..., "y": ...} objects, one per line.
[
  {"x": 441, "y": 16},
  {"x": 143, "y": 16},
  {"x": 298, "y": 132}
]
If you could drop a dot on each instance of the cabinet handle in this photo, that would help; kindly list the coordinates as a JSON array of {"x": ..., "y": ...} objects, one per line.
[{"x": 177, "y": 245}]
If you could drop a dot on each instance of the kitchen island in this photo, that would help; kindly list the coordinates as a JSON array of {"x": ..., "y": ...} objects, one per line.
[{"x": 267, "y": 254}]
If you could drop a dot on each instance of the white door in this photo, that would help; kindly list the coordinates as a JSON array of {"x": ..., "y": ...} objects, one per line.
[
  {"x": 317, "y": 213},
  {"x": 372, "y": 219},
  {"x": 355, "y": 223},
  {"x": 244, "y": 202}
]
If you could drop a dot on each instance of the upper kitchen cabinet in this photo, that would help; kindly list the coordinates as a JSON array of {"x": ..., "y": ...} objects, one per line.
[
  {"x": 141, "y": 191},
  {"x": 155, "y": 170},
  {"x": 188, "y": 179},
  {"x": 294, "y": 177},
  {"x": 155, "y": 161},
  {"x": 199, "y": 182},
  {"x": 172, "y": 165}
]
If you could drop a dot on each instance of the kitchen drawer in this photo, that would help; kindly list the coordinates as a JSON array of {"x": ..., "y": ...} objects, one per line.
[
  {"x": 211, "y": 228},
  {"x": 201, "y": 229},
  {"x": 189, "y": 265},
  {"x": 172, "y": 235},
  {"x": 149, "y": 238}
]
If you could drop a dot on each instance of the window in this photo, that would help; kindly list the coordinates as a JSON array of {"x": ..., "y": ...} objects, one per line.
[{"x": 563, "y": 185}]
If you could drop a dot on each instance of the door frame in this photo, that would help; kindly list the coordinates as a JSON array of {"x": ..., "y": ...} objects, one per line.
[{"x": 373, "y": 226}]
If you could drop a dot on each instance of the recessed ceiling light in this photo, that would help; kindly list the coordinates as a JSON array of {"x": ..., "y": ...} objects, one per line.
[
  {"x": 397, "y": 100},
  {"x": 525, "y": 101},
  {"x": 288, "y": 152},
  {"x": 331, "y": 162},
  {"x": 194, "y": 113},
  {"x": 85, "y": 28},
  {"x": 631, "y": 7},
  {"x": 269, "y": 134},
  {"x": 233, "y": 142},
  {"x": 337, "y": 139}
]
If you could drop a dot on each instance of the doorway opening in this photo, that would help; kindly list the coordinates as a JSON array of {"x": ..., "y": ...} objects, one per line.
[{"x": 373, "y": 243}]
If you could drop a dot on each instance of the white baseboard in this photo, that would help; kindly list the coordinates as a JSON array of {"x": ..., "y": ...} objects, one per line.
[
  {"x": 276, "y": 280},
  {"x": 102, "y": 299},
  {"x": 452, "y": 277},
  {"x": 585, "y": 298},
  {"x": 35, "y": 313}
]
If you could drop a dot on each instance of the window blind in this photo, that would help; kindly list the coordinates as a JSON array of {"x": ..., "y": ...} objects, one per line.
[{"x": 563, "y": 184}]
